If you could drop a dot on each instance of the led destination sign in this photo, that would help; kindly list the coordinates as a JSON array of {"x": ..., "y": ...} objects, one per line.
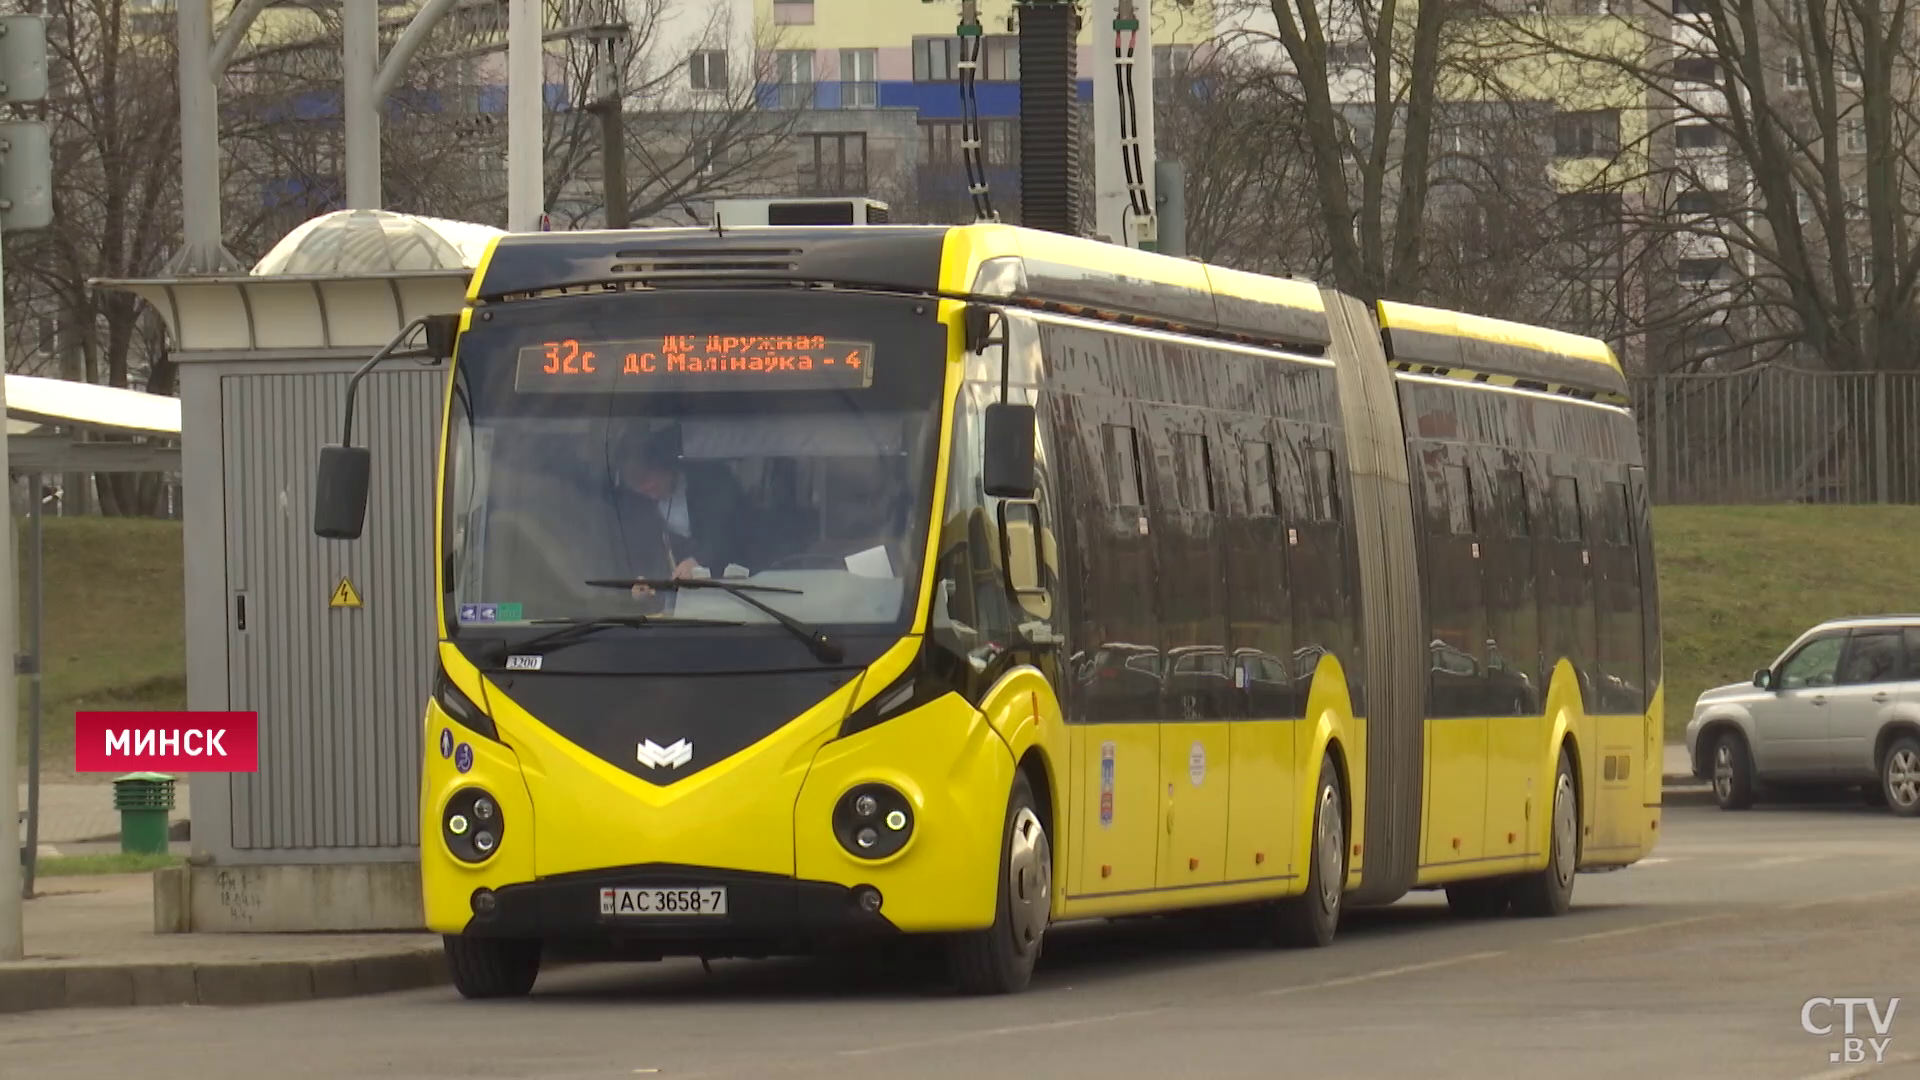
[{"x": 691, "y": 362}]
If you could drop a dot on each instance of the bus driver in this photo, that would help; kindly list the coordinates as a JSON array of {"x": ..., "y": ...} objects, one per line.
[{"x": 675, "y": 518}]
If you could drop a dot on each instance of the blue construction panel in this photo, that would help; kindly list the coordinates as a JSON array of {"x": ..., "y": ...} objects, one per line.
[
  {"x": 933, "y": 101},
  {"x": 493, "y": 99}
]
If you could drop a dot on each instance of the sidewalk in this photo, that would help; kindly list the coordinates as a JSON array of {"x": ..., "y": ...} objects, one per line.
[
  {"x": 90, "y": 943},
  {"x": 76, "y": 811}
]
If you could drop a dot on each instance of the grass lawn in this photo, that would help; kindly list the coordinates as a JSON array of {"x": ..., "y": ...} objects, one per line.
[
  {"x": 115, "y": 626},
  {"x": 1737, "y": 584}
]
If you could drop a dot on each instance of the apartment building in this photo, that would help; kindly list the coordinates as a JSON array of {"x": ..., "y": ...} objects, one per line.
[{"x": 873, "y": 89}]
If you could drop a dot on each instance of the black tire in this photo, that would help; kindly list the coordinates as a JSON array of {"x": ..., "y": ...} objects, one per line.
[
  {"x": 1731, "y": 765},
  {"x": 1900, "y": 776},
  {"x": 1549, "y": 890},
  {"x": 1309, "y": 921},
  {"x": 1000, "y": 959},
  {"x": 492, "y": 967},
  {"x": 1479, "y": 899}
]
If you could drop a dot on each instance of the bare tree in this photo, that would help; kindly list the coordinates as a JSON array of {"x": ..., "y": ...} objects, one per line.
[
  {"x": 113, "y": 116},
  {"x": 1781, "y": 153},
  {"x": 694, "y": 125}
]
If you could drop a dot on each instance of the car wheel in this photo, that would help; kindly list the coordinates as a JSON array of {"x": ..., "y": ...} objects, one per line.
[
  {"x": 1900, "y": 776},
  {"x": 1549, "y": 891},
  {"x": 1732, "y": 771}
]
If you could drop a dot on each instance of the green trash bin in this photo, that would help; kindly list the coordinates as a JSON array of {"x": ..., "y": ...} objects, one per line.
[{"x": 144, "y": 801}]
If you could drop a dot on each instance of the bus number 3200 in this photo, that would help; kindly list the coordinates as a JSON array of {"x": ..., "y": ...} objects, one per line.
[{"x": 703, "y": 901}]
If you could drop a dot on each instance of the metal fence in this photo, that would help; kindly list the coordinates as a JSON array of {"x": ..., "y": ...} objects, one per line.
[{"x": 1772, "y": 435}]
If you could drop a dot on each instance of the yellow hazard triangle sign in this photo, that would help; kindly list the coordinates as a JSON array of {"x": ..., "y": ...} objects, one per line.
[{"x": 345, "y": 595}]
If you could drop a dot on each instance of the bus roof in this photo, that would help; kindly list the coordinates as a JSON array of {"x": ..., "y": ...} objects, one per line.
[{"x": 1063, "y": 272}]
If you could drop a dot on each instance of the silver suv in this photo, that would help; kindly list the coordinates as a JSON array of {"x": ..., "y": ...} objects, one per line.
[{"x": 1839, "y": 707}]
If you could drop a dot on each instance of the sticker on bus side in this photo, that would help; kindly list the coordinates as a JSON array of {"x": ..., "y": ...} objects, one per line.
[{"x": 1106, "y": 785}]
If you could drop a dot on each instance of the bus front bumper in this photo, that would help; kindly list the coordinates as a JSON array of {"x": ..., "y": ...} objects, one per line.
[{"x": 765, "y": 913}]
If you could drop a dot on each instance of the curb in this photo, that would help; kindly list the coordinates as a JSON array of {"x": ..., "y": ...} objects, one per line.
[
  {"x": 32, "y": 986},
  {"x": 1685, "y": 790}
]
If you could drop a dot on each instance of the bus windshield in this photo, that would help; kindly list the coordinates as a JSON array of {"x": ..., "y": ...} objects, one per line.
[{"x": 784, "y": 443}]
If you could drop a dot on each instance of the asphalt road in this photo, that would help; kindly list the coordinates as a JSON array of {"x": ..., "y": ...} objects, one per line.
[{"x": 1695, "y": 963}]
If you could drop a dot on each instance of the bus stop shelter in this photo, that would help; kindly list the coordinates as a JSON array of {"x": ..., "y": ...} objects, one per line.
[{"x": 34, "y": 406}]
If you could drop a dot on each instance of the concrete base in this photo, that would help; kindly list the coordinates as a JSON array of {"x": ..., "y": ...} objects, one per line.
[{"x": 341, "y": 897}]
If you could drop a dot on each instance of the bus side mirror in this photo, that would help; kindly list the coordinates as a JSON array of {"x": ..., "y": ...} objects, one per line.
[
  {"x": 1008, "y": 466},
  {"x": 340, "y": 492},
  {"x": 440, "y": 330}
]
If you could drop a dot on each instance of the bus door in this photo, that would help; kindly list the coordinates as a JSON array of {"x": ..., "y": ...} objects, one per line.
[
  {"x": 1268, "y": 701},
  {"x": 1116, "y": 699},
  {"x": 1457, "y": 697},
  {"x": 1197, "y": 699},
  {"x": 1516, "y": 686}
]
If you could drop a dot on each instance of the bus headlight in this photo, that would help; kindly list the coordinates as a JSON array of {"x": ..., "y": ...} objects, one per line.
[
  {"x": 472, "y": 825},
  {"x": 873, "y": 821}
]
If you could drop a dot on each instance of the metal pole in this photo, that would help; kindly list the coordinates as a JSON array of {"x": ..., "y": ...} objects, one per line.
[
  {"x": 12, "y": 930},
  {"x": 1880, "y": 463},
  {"x": 526, "y": 94},
  {"x": 609, "y": 92},
  {"x": 360, "y": 55},
  {"x": 37, "y": 606},
  {"x": 1114, "y": 217},
  {"x": 203, "y": 251}
]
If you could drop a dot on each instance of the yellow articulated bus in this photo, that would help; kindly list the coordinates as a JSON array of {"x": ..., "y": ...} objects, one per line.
[{"x": 810, "y": 585}]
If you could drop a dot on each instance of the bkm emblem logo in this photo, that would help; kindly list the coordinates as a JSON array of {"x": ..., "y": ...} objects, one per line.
[
  {"x": 653, "y": 755},
  {"x": 1853, "y": 1048}
]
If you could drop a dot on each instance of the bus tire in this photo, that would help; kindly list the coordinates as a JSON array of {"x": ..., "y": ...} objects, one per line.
[
  {"x": 1479, "y": 899},
  {"x": 1549, "y": 890},
  {"x": 1308, "y": 921},
  {"x": 492, "y": 967},
  {"x": 1000, "y": 959}
]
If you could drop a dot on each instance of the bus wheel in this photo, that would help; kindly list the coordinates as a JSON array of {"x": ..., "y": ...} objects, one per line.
[
  {"x": 492, "y": 967},
  {"x": 1549, "y": 891},
  {"x": 1310, "y": 919},
  {"x": 1000, "y": 959}
]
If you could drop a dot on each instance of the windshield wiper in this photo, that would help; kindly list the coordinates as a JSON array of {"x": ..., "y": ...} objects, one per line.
[
  {"x": 825, "y": 650},
  {"x": 574, "y": 630}
]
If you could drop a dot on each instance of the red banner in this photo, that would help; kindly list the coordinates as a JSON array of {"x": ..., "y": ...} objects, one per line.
[{"x": 169, "y": 742}]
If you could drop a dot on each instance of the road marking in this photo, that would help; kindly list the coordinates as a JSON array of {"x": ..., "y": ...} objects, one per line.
[
  {"x": 1652, "y": 862},
  {"x": 1107, "y": 1018},
  {"x": 1018, "y": 1029},
  {"x": 1384, "y": 973},
  {"x": 1644, "y": 928},
  {"x": 1763, "y": 864},
  {"x": 1849, "y": 1072},
  {"x": 1862, "y": 898}
]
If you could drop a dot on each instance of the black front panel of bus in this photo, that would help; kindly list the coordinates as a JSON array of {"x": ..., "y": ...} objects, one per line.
[{"x": 616, "y": 717}]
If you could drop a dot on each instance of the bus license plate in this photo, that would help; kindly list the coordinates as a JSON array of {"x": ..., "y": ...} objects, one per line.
[{"x": 697, "y": 901}]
